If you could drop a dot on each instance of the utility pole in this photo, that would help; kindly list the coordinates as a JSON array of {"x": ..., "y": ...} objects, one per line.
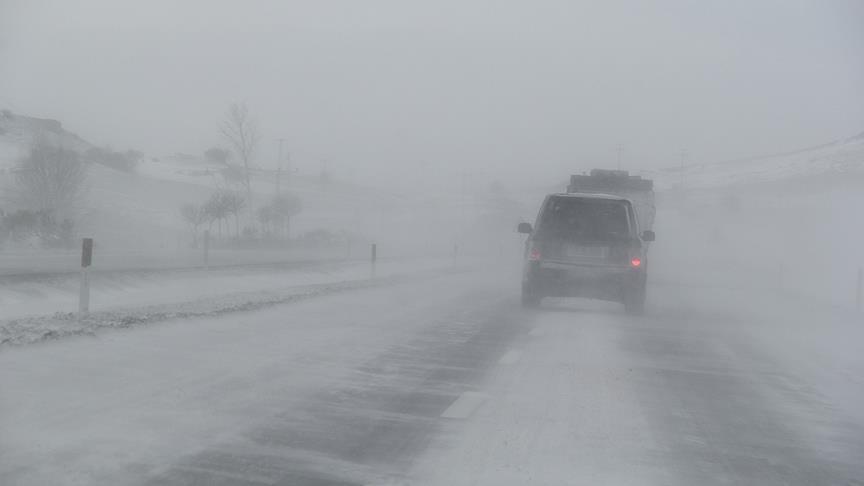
[
  {"x": 279, "y": 168},
  {"x": 288, "y": 170}
]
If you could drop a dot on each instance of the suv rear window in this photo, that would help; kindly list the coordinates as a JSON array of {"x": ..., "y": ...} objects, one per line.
[{"x": 584, "y": 219}]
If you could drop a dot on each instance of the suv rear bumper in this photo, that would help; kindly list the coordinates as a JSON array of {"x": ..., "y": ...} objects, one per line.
[{"x": 558, "y": 279}]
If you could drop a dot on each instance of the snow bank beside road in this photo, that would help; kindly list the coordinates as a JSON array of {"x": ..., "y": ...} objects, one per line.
[
  {"x": 20, "y": 263},
  {"x": 131, "y": 300}
]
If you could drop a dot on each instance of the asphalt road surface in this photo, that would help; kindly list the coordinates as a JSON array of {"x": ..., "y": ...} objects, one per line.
[{"x": 447, "y": 381}]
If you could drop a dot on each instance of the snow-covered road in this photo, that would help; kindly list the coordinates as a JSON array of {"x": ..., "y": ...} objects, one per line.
[{"x": 446, "y": 380}]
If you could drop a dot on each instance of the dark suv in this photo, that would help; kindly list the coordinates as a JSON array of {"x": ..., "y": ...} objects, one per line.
[{"x": 586, "y": 245}]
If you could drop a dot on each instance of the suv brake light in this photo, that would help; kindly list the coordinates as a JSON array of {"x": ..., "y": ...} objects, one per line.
[
  {"x": 636, "y": 262},
  {"x": 534, "y": 255}
]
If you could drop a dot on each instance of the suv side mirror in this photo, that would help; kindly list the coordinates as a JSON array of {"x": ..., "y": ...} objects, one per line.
[
  {"x": 648, "y": 235},
  {"x": 524, "y": 228}
]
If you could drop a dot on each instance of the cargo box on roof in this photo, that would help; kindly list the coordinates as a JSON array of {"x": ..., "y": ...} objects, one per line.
[{"x": 619, "y": 183}]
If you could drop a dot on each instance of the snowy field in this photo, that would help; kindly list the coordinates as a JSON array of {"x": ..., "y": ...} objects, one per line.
[{"x": 118, "y": 209}]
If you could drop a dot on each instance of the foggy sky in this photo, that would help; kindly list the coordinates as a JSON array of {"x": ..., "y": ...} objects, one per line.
[{"x": 394, "y": 86}]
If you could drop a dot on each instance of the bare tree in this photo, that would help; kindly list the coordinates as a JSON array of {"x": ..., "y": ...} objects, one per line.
[
  {"x": 234, "y": 204},
  {"x": 241, "y": 132},
  {"x": 266, "y": 217},
  {"x": 287, "y": 207},
  {"x": 195, "y": 216},
  {"x": 222, "y": 204},
  {"x": 51, "y": 178},
  {"x": 279, "y": 212},
  {"x": 215, "y": 210}
]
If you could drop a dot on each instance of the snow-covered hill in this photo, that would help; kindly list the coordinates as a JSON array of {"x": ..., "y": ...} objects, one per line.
[
  {"x": 841, "y": 157},
  {"x": 791, "y": 217},
  {"x": 17, "y": 132},
  {"x": 141, "y": 208}
]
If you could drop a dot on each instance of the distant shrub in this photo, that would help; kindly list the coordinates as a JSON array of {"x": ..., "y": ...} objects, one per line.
[
  {"x": 321, "y": 238},
  {"x": 276, "y": 216},
  {"x": 216, "y": 155},
  {"x": 125, "y": 161},
  {"x": 50, "y": 179},
  {"x": 37, "y": 226},
  {"x": 250, "y": 232}
]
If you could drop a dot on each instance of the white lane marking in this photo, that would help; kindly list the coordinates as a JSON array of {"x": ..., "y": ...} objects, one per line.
[
  {"x": 510, "y": 357},
  {"x": 464, "y": 406}
]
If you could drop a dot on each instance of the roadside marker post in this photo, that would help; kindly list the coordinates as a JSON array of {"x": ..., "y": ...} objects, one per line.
[
  {"x": 206, "y": 249},
  {"x": 374, "y": 257},
  {"x": 859, "y": 294},
  {"x": 86, "y": 261}
]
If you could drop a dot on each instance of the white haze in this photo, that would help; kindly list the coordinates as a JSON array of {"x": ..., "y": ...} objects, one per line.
[
  {"x": 441, "y": 125},
  {"x": 374, "y": 87}
]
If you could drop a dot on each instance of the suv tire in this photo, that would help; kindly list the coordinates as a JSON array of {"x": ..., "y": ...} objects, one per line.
[
  {"x": 530, "y": 298},
  {"x": 634, "y": 300}
]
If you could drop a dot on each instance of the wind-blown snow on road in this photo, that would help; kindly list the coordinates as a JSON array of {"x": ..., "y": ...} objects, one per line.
[
  {"x": 683, "y": 396},
  {"x": 446, "y": 380}
]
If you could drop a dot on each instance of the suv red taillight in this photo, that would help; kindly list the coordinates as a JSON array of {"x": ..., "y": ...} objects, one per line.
[
  {"x": 636, "y": 262},
  {"x": 534, "y": 255}
]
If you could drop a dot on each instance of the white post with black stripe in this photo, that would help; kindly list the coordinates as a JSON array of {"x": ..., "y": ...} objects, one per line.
[{"x": 86, "y": 261}]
